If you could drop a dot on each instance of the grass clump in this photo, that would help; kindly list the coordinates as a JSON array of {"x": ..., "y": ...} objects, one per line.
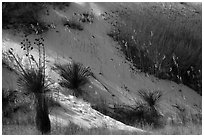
[
  {"x": 74, "y": 76},
  {"x": 148, "y": 108},
  {"x": 144, "y": 112}
]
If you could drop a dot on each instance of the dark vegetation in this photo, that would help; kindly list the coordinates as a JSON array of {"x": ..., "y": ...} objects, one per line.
[
  {"x": 60, "y": 5},
  {"x": 12, "y": 101},
  {"x": 86, "y": 17},
  {"x": 26, "y": 16},
  {"x": 77, "y": 20},
  {"x": 163, "y": 43},
  {"x": 141, "y": 113},
  {"x": 74, "y": 76},
  {"x": 23, "y": 16},
  {"x": 147, "y": 112}
]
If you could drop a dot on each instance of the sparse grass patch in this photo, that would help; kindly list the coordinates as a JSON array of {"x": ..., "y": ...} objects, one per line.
[
  {"x": 186, "y": 116},
  {"x": 74, "y": 129},
  {"x": 189, "y": 129},
  {"x": 162, "y": 44},
  {"x": 19, "y": 130}
]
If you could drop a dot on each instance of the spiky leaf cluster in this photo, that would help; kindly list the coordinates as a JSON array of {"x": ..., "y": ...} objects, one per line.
[
  {"x": 150, "y": 98},
  {"x": 33, "y": 81},
  {"x": 74, "y": 75}
]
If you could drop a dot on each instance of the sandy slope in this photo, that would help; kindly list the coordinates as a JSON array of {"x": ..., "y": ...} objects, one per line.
[{"x": 94, "y": 48}]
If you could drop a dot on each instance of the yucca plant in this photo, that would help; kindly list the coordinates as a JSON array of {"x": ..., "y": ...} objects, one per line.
[
  {"x": 148, "y": 107},
  {"x": 74, "y": 76},
  {"x": 32, "y": 80},
  {"x": 151, "y": 98}
]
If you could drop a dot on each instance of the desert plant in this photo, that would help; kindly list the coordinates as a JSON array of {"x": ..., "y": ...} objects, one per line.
[
  {"x": 144, "y": 112},
  {"x": 32, "y": 80},
  {"x": 148, "y": 107},
  {"x": 151, "y": 98},
  {"x": 74, "y": 76}
]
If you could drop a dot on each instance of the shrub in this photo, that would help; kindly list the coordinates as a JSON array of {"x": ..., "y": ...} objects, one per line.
[
  {"x": 73, "y": 25},
  {"x": 87, "y": 17},
  {"x": 74, "y": 76},
  {"x": 151, "y": 98}
]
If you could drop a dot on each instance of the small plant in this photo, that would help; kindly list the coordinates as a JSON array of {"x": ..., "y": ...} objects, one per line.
[
  {"x": 87, "y": 17},
  {"x": 144, "y": 112},
  {"x": 148, "y": 107},
  {"x": 151, "y": 98},
  {"x": 73, "y": 25},
  {"x": 185, "y": 116},
  {"x": 74, "y": 76}
]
